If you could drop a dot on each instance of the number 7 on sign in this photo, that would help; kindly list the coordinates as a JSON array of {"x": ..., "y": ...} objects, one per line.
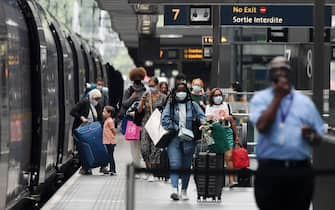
[{"x": 175, "y": 12}]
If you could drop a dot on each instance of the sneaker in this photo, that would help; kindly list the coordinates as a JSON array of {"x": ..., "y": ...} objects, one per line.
[
  {"x": 232, "y": 185},
  {"x": 144, "y": 177},
  {"x": 183, "y": 195},
  {"x": 137, "y": 176},
  {"x": 174, "y": 195},
  {"x": 83, "y": 171},
  {"x": 151, "y": 178},
  {"x": 104, "y": 170}
]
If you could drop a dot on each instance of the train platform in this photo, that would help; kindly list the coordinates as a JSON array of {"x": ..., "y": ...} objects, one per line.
[{"x": 100, "y": 192}]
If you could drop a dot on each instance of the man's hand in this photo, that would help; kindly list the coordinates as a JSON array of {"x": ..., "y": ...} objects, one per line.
[
  {"x": 281, "y": 87},
  {"x": 310, "y": 135}
]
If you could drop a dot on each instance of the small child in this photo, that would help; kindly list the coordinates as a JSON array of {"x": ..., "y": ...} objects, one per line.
[{"x": 109, "y": 135}]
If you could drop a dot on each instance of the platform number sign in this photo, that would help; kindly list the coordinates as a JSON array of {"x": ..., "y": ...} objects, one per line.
[
  {"x": 175, "y": 12},
  {"x": 175, "y": 15}
]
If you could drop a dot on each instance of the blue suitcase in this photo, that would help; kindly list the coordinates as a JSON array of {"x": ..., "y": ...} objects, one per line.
[{"x": 92, "y": 152}]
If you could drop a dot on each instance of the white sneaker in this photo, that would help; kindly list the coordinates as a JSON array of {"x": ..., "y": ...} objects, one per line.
[
  {"x": 174, "y": 195},
  {"x": 137, "y": 176},
  {"x": 183, "y": 195},
  {"x": 144, "y": 177},
  {"x": 151, "y": 178}
]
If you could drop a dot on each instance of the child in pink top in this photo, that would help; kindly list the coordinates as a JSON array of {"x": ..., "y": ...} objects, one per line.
[{"x": 109, "y": 135}]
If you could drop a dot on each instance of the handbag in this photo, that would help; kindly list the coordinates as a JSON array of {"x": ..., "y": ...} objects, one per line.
[
  {"x": 240, "y": 157},
  {"x": 223, "y": 138},
  {"x": 186, "y": 134},
  {"x": 160, "y": 136},
  {"x": 133, "y": 132}
]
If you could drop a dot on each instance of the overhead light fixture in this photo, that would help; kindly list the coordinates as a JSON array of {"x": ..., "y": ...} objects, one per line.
[
  {"x": 145, "y": 9},
  {"x": 171, "y": 36},
  {"x": 146, "y": 24},
  {"x": 224, "y": 39}
]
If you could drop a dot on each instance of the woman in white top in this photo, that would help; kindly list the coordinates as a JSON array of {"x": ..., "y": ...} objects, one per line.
[{"x": 219, "y": 111}]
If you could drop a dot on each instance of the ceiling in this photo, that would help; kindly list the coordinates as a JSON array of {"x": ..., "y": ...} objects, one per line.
[{"x": 124, "y": 20}]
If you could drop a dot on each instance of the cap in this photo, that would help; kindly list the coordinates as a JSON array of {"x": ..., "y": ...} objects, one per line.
[{"x": 279, "y": 62}]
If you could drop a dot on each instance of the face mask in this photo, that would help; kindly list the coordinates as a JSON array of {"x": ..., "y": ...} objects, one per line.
[
  {"x": 181, "y": 96},
  {"x": 137, "y": 82},
  {"x": 153, "y": 89},
  {"x": 196, "y": 88},
  {"x": 99, "y": 87},
  {"x": 94, "y": 102},
  {"x": 217, "y": 100}
]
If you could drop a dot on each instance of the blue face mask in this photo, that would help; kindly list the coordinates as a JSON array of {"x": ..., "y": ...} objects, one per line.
[
  {"x": 153, "y": 89},
  {"x": 218, "y": 100},
  {"x": 196, "y": 88}
]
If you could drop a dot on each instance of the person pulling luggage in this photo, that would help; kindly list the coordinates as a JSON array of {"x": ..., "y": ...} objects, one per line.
[
  {"x": 219, "y": 111},
  {"x": 178, "y": 115},
  {"x": 87, "y": 110}
]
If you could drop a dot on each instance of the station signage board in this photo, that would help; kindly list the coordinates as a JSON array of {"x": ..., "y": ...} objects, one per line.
[
  {"x": 187, "y": 15},
  {"x": 271, "y": 15},
  {"x": 169, "y": 54},
  {"x": 175, "y": 15},
  {"x": 193, "y": 53}
]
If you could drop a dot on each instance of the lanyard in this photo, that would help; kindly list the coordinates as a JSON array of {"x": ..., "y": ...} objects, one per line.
[{"x": 284, "y": 114}]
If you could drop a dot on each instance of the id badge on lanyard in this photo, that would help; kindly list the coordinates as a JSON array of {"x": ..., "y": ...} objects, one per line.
[{"x": 280, "y": 139}]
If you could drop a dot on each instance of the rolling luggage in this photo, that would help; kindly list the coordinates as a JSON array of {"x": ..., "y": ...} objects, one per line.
[
  {"x": 209, "y": 186},
  {"x": 92, "y": 151},
  {"x": 163, "y": 164}
]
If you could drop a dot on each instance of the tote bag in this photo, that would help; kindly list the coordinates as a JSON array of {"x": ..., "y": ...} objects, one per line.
[
  {"x": 159, "y": 135},
  {"x": 133, "y": 132},
  {"x": 240, "y": 157}
]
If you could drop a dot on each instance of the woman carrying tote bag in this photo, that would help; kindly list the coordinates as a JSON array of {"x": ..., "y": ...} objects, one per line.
[{"x": 149, "y": 102}]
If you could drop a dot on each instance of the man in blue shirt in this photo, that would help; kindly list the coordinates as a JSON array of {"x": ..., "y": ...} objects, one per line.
[{"x": 288, "y": 124}]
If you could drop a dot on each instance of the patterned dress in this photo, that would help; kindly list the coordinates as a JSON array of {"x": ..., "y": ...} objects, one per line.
[{"x": 149, "y": 152}]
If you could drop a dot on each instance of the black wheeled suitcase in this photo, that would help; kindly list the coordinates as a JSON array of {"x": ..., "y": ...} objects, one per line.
[
  {"x": 209, "y": 186},
  {"x": 92, "y": 152},
  {"x": 163, "y": 164}
]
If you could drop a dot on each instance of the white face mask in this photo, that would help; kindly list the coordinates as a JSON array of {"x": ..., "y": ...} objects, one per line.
[
  {"x": 218, "y": 100},
  {"x": 94, "y": 102},
  {"x": 180, "y": 96}
]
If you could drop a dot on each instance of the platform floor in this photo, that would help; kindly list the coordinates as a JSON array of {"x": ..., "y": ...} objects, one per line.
[{"x": 100, "y": 192}]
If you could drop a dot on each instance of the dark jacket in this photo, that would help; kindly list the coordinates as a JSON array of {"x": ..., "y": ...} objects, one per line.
[
  {"x": 82, "y": 108},
  {"x": 127, "y": 100}
]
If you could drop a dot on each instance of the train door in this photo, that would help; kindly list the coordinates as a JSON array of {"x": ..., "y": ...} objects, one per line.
[
  {"x": 15, "y": 104},
  {"x": 79, "y": 69}
]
